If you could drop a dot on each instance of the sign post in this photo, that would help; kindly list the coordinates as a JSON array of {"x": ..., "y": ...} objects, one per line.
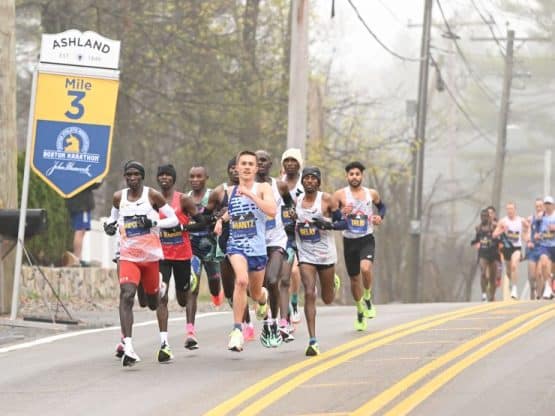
[{"x": 71, "y": 119}]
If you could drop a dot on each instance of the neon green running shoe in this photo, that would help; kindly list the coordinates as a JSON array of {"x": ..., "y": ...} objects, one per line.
[
  {"x": 360, "y": 322},
  {"x": 312, "y": 350},
  {"x": 164, "y": 353},
  {"x": 370, "y": 310}
]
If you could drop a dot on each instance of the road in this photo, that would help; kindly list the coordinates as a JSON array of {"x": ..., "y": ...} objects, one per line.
[{"x": 426, "y": 359}]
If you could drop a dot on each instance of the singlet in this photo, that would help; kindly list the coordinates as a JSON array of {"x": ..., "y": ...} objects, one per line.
[
  {"x": 513, "y": 231},
  {"x": 275, "y": 233},
  {"x": 314, "y": 246},
  {"x": 535, "y": 226},
  {"x": 175, "y": 243},
  {"x": 359, "y": 221},
  {"x": 200, "y": 208},
  {"x": 488, "y": 244},
  {"x": 138, "y": 244},
  {"x": 547, "y": 236},
  {"x": 247, "y": 225}
]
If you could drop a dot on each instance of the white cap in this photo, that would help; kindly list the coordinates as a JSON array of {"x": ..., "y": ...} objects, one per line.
[
  {"x": 548, "y": 200},
  {"x": 293, "y": 153}
]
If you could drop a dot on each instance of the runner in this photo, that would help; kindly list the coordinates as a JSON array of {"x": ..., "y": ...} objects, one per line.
[
  {"x": 134, "y": 214},
  {"x": 249, "y": 204},
  {"x": 533, "y": 250},
  {"x": 316, "y": 247},
  {"x": 177, "y": 254},
  {"x": 276, "y": 248},
  {"x": 205, "y": 249},
  {"x": 546, "y": 242},
  {"x": 292, "y": 163},
  {"x": 512, "y": 230},
  {"x": 488, "y": 255}
]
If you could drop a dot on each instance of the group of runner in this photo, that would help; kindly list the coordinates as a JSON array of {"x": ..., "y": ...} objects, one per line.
[
  {"x": 512, "y": 239},
  {"x": 254, "y": 235}
]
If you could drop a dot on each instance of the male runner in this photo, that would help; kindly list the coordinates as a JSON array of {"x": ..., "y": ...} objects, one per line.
[
  {"x": 487, "y": 255},
  {"x": 533, "y": 249},
  {"x": 356, "y": 202},
  {"x": 292, "y": 163},
  {"x": 546, "y": 242},
  {"x": 315, "y": 211},
  {"x": 276, "y": 246},
  {"x": 249, "y": 204},
  {"x": 134, "y": 215},
  {"x": 511, "y": 229}
]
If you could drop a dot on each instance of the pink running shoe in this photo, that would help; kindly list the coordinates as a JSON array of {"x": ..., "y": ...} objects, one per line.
[{"x": 248, "y": 332}]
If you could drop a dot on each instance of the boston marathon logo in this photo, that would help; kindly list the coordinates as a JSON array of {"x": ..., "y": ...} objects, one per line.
[{"x": 72, "y": 146}]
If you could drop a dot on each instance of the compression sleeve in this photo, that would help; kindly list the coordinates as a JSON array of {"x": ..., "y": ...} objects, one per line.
[
  {"x": 381, "y": 208},
  {"x": 170, "y": 220},
  {"x": 114, "y": 215}
]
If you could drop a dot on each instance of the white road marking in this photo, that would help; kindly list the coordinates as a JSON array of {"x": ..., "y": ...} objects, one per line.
[{"x": 53, "y": 338}]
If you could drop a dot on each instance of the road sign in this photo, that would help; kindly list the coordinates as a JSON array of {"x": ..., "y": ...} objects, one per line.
[{"x": 74, "y": 110}]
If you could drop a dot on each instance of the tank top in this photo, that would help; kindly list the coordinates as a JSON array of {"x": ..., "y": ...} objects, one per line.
[
  {"x": 314, "y": 246},
  {"x": 359, "y": 221},
  {"x": 547, "y": 236},
  {"x": 275, "y": 233},
  {"x": 200, "y": 209},
  {"x": 513, "y": 230},
  {"x": 175, "y": 243},
  {"x": 488, "y": 245},
  {"x": 138, "y": 244},
  {"x": 247, "y": 227},
  {"x": 535, "y": 227}
]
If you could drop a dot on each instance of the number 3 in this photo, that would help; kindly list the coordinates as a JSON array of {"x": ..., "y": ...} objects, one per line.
[{"x": 76, "y": 103}]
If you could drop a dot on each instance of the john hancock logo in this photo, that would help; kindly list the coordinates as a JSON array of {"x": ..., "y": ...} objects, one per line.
[{"x": 72, "y": 153}]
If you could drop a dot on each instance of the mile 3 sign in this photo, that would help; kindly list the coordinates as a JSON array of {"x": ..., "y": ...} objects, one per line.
[{"x": 73, "y": 109}]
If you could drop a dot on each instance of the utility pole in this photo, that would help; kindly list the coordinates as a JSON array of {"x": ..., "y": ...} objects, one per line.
[
  {"x": 418, "y": 156},
  {"x": 298, "y": 77},
  {"x": 502, "y": 123},
  {"x": 8, "y": 138}
]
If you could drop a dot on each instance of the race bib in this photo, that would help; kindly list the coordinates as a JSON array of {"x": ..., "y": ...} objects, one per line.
[
  {"x": 286, "y": 215},
  {"x": 132, "y": 228},
  {"x": 270, "y": 223},
  {"x": 357, "y": 223},
  {"x": 309, "y": 233},
  {"x": 243, "y": 225},
  {"x": 171, "y": 236}
]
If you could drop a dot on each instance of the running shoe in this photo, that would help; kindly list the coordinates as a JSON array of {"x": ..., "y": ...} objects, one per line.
[
  {"x": 275, "y": 336},
  {"x": 191, "y": 341},
  {"x": 217, "y": 300},
  {"x": 312, "y": 350},
  {"x": 236, "y": 340},
  {"x": 370, "y": 310},
  {"x": 360, "y": 322},
  {"x": 547, "y": 292},
  {"x": 129, "y": 358},
  {"x": 262, "y": 310},
  {"x": 164, "y": 353},
  {"x": 295, "y": 315},
  {"x": 286, "y": 333},
  {"x": 484, "y": 297},
  {"x": 265, "y": 336},
  {"x": 248, "y": 332},
  {"x": 120, "y": 348}
]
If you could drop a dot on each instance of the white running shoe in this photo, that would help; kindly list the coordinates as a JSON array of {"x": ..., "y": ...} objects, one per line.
[
  {"x": 236, "y": 340},
  {"x": 484, "y": 297},
  {"x": 514, "y": 292},
  {"x": 130, "y": 358},
  {"x": 547, "y": 292}
]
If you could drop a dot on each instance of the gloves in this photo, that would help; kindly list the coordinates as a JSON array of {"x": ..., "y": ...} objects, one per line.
[
  {"x": 321, "y": 224},
  {"x": 144, "y": 222},
  {"x": 110, "y": 228}
]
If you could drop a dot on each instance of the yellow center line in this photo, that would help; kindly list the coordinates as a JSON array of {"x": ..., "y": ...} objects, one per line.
[
  {"x": 278, "y": 392},
  {"x": 251, "y": 391},
  {"x": 382, "y": 399},
  {"x": 441, "y": 379}
]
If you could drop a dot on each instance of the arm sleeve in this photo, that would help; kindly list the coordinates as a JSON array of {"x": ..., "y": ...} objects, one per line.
[
  {"x": 381, "y": 208},
  {"x": 339, "y": 222},
  {"x": 170, "y": 220},
  {"x": 114, "y": 214}
]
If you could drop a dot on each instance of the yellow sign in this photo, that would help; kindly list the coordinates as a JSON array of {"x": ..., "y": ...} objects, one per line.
[{"x": 72, "y": 130}]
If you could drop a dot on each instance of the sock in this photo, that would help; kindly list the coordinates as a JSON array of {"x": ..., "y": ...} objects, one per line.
[
  {"x": 283, "y": 322},
  {"x": 367, "y": 294},
  {"x": 360, "y": 305},
  {"x": 312, "y": 341},
  {"x": 163, "y": 337},
  {"x": 190, "y": 328},
  {"x": 294, "y": 298},
  {"x": 128, "y": 344},
  {"x": 237, "y": 326}
]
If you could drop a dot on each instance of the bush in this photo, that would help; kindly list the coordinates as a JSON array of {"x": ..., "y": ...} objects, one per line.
[{"x": 48, "y": 246}]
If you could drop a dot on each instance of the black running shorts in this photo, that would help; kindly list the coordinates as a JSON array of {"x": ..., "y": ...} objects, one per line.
[
  {"x": 357, "y": 249},
  {"x": 181, "y": 273}
]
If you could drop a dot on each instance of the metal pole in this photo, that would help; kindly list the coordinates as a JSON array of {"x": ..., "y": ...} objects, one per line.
[
  {"x": 418, "y": 155},
  {"x": 23, "y": 206},
  {"x": 502, "y": 123}
]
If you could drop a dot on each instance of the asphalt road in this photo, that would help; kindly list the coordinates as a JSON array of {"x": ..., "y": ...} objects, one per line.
[{"x": 428, "y": 359}]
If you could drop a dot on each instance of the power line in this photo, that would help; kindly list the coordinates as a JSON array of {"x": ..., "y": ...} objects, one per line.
[
  {"x": 459, "y": 105},
  {"x": 489, "y": 94},
  {"x": 501, "y": 50},
  {"x": 383, "y": 45}
]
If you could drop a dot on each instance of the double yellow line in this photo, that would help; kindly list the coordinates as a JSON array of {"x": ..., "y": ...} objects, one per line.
[{"x": 333, "y": 358}]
